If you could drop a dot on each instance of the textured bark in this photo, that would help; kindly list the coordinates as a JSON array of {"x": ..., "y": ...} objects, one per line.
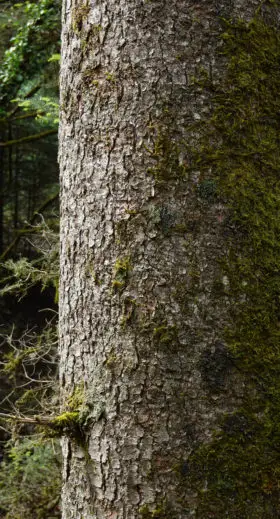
[{"x": 139, "y": 253}]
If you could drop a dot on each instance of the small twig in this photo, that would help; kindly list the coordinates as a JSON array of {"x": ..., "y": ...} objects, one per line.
[
  {"x": 28, "y": 229},
  {"x": 33, "y": 420}
]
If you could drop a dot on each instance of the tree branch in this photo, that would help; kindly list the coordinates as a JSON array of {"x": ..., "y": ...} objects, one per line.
[
  {"x": 29, "y": 115},
  {"x": 29, "y": 138},
  {"x": 33, "y": 420},
  {"x": 29, "y": 94},
  {"x": 27, "y": 229}
]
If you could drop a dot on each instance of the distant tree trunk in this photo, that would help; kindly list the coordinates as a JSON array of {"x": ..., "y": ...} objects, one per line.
[{"x": 144, "y": 300}]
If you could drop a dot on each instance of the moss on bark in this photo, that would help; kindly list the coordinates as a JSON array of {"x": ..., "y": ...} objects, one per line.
[{"x": 238, "y": 473}]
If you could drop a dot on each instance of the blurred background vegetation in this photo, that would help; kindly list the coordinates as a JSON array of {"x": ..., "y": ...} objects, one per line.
[{"x": 29, "y": 69}]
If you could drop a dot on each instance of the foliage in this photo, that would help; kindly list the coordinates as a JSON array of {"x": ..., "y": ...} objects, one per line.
[
  {"x": 29, "y": 55},
  {"x": 30, "y": 21},
  {"x": 45, "y": 107},
  {"x": 25, "y": 273},
  {"x": 29, "y": 93},
  {"x": 30, "y": 480}
]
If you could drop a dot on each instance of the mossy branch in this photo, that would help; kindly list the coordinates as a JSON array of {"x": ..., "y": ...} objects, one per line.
[
  {"x": 29, "y": 138},
  {"x": 68, "y": 420}
]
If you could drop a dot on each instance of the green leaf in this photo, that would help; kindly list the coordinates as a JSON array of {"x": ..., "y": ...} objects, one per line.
[{"x": 54, "y": 57}]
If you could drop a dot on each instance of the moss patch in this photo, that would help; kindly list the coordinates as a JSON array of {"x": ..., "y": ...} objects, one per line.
[
  {"x": 74, "y": 419},
  {"x": 65, "y": 420},
  {"x": 238, "y": 473},
  {"x": 166, "y": 153},
  {"x": 165, "y": 336},
  {"x": 162, "y": 511},
  {"x": 121, "y": 273},
  {"x": 215, "y": 365},
  {"x": 80, "y": 14}
]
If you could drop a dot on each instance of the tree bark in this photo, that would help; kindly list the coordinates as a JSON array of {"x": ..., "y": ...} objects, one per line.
[{"x": 140, "y": 253}]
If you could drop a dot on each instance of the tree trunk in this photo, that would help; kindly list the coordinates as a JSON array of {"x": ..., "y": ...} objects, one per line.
[{"x": 144, "y": 297}]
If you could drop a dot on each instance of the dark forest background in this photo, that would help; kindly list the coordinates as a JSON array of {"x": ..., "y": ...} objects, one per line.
[{"x": 29, "y": 91}]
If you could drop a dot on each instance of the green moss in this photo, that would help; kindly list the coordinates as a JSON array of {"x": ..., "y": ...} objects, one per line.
[
  {"x": 67, "y": 423},
  {"x": 165, "y": 336},
  {"x": 27, "y": 398},
  {"x": 95, "y": 276},
  {"x": 77, "y": 400},
  {"x": 110, "y": 77},
  {"x": 166, "y": 153},
  {"x": 146, "y": 513},
  {"x": 118, "y": 285},
  {"x": 121, "y": 273},
  {"x": 207, "y": 190},
  {"x": 74, "y": 419},
  {"x": 162, "y": 511},
  {"x": 180, "y": 228},
  {"x": 216, "y": 363},
  {"x": 13, "y": 360},
  {"x": 79, "y": 14},
  {"x": 89, "y": 78},
  {"x": 111, "y": 361},
  {"x": 241, "y": 144},
  {"x": 12, "y": 363},
  {"x": 66, "y": 419}
]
